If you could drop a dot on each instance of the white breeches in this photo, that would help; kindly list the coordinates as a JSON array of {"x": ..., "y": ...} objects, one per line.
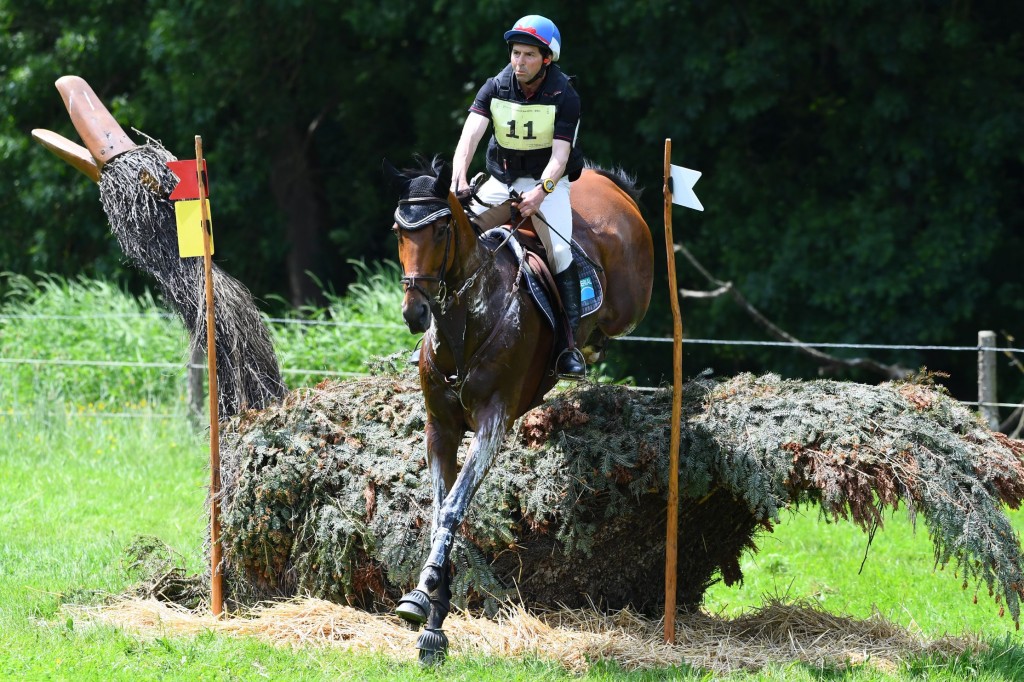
[{"x": 554, "y": 230}]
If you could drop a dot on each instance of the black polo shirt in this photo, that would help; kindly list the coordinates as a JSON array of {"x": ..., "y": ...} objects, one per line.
[{"x": 525, "y": 128}]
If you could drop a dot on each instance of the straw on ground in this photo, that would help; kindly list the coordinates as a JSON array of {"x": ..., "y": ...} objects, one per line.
[{"x": 775, "y": 633}]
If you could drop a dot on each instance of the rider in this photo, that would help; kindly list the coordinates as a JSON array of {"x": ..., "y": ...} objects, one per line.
[{"x": 532, "y": 151}]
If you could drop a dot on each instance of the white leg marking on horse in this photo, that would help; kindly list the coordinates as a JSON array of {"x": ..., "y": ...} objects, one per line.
[{"x": 481, "y": 453}]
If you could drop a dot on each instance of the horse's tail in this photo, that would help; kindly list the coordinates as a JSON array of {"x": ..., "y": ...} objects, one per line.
[{"x": 622, "y": 179}]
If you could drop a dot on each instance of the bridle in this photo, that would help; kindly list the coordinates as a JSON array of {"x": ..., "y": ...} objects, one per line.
[
  {"x": 442, "y": 302},
  {"x": 410, "y": 281}
]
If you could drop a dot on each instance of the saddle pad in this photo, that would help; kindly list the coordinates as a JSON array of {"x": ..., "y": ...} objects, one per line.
[
  {"x": 538, "y": 292},
  {"x": 591, "y": 292}
]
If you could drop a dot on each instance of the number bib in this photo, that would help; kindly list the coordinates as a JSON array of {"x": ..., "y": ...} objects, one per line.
[{"x": 523, "y": 127}]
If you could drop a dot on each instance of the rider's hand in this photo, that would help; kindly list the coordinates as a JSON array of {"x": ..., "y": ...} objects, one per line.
[
  {"x": 459, "y": 184},
  {"x": 531, "y": 200}
]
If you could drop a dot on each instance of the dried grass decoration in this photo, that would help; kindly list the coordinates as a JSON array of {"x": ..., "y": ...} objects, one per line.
[
  {"x": 326, "y": 494},
  {"x": 134, "y": 191}
]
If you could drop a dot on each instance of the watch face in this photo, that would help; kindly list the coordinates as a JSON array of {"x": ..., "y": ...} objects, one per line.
[{"x": 549, "y": 186}]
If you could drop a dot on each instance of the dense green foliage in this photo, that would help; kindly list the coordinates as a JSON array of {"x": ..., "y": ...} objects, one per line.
[{"x": 862, "y": 160}]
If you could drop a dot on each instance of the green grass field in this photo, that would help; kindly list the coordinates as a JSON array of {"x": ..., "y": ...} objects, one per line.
[{"x": 91, "y": 458}]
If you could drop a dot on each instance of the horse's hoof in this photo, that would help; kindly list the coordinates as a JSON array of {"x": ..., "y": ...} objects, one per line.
[
  {"x": 433, "y": 646},
  {"x": 414, "y": 607}
]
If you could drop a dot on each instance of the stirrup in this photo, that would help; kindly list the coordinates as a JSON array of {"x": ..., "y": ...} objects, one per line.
[{"x": 571, "y": 376}]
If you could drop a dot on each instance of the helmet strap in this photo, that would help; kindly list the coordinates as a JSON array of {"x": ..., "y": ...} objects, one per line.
[{"x": 540, "y": 74}]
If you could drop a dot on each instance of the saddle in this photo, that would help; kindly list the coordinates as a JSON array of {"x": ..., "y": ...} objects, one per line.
[{"x": 540, "y": 283}]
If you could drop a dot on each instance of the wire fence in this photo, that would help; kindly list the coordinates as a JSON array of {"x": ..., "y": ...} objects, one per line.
[{"x": 308, "y": 371}]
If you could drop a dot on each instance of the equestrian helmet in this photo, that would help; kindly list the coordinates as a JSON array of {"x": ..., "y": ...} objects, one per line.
[{"x": 533, "y": 29}]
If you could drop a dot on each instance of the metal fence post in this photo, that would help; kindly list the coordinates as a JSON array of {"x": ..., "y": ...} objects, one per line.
[
  {"x": 987, "y": 378},
  {"x": 196, "y": 387}
]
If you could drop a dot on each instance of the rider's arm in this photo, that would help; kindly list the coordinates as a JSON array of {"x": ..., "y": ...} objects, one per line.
[
  {"x": 559, "y": 158},
  {"x": 554, "y": 169},
  {"x": 472, "y": 133}
]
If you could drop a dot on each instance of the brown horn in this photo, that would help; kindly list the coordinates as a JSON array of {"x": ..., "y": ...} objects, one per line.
[
  {"x": 74, "y": 154},
  {"x": 99, "y": 131}
]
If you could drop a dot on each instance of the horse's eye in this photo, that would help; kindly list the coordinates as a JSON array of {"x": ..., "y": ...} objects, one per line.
[{"x": 441, "y": 231}]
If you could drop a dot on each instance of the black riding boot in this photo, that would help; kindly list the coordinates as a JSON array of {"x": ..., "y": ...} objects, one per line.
[{"x": 570, "y": 364}]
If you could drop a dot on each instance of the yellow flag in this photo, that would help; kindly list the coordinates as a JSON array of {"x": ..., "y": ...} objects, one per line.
[{"x": 189, "y": 218}]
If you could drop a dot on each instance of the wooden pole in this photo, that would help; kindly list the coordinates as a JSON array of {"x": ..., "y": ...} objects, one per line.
[
  {"x": 216, "y": 578},
  {"x": 672, "y": 525}
]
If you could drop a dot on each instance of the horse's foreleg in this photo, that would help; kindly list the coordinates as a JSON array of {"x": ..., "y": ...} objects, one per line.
[
  {"x": 482, "y": 449},
  {"x": 442, "y": 451},
  {"x": 434, "y": 579},
  {"x": 429, "y": 602}
]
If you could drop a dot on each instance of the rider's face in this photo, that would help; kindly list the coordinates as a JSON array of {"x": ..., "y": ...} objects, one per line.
[{"x": 527, "y": 61}]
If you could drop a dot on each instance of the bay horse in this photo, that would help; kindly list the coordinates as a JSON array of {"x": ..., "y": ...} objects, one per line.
[{"x": 488, "y": 354}]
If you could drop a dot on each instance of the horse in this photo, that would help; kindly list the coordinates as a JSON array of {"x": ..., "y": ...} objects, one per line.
[{"x": 487, "y": 354}]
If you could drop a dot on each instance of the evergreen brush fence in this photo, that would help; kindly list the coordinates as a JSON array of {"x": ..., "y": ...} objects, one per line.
[{"x": 327, "y": 493}]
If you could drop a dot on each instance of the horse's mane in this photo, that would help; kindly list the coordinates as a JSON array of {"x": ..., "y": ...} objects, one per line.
[
  {"x": 422, "y": 166},
  {"x": 623, "y": 180}
]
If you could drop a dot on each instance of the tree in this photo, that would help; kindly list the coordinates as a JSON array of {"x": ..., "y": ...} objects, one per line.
[{"x": 861, "y": 161}]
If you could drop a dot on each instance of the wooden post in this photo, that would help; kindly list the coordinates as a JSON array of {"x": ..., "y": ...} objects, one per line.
[
  {"x": 672, "y": 525},
  {"x": 216, "y": 578},
  {"x": 987, "y": 379}
]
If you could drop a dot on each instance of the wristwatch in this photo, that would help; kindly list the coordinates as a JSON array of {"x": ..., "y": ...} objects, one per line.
[{"x": 548, "y": 185}]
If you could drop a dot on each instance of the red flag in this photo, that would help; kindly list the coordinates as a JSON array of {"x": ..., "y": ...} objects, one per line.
[{"x": 188, "y": 185}]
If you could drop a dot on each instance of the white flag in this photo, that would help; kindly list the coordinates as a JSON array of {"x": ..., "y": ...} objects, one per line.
[{"x": 683, "y": 180}]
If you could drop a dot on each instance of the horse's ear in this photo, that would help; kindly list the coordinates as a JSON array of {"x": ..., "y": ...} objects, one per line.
[
  {"x": 444, "y": 177},
  {"x": 395, "y": 177}
]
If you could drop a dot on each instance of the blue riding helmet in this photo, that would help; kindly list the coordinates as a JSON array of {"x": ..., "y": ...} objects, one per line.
[{"x": 533, "y": 29}]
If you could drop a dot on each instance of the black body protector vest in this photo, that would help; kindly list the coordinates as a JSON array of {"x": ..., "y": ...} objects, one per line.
[{"x": 524, "y": 131}]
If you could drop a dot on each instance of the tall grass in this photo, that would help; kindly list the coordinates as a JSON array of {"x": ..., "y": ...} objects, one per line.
[
  {"x": 371, "y": 325},
  {"x": 86, "y": 342},
  {"x": 91, "y": 458},
  {"x": 48, "y": 325}
]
